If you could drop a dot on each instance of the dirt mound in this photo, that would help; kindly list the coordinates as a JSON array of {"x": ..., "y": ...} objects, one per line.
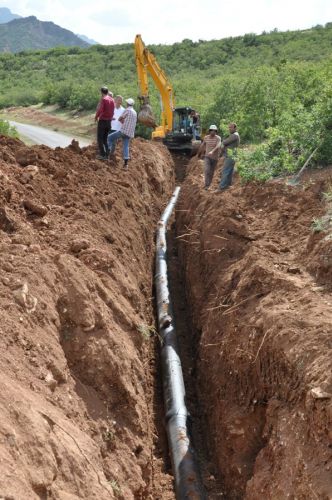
[
  {"x": 264, "y": 330},
  {"x": 77, "y": 364}
]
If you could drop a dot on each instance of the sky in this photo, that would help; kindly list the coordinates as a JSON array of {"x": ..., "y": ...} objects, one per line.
[{"x": 110, "y": 22}]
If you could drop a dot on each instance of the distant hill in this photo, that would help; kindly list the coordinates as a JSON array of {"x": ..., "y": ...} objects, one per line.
[
  {"x": 88, "y": 40},
  {"x": 28, "y": 33},
  {"x": 72, "y": 76},
  {"x": 6, "y": 15}
]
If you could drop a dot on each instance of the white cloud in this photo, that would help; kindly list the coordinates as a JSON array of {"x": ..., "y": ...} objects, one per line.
[{"x": 172, "y": 21}]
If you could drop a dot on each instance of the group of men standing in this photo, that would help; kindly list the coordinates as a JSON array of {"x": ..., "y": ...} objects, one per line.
[
  {"x": 212, "y": 148},
  {"x": 114, "y": 122}
]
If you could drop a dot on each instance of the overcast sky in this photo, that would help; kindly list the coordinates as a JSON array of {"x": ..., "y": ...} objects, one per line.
[{"x": 110, "y": 21}]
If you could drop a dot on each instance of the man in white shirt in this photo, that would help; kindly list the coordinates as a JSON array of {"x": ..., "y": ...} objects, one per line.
[
  {"x": 128, "y": 122},
  {"x": 118, "y": 110}
]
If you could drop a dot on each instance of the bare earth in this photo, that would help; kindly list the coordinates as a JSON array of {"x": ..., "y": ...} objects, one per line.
[
  {"x": 258, "y": 284},
  {"x": 81, "y": 413},
  {"x": 77, "y": 397}
]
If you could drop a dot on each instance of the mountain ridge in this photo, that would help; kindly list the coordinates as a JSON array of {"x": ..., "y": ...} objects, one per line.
[
  {"x": 29, "y": 33},
  {"x": 6, "y": 15}
]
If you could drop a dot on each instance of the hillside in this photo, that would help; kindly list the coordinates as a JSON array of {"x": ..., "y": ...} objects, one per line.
[
  {"x": 30, "y": 33},
  {"x": 6, "y": 15},
  {"x": 86, "y": 39},
  {"x": 193, "y": 67},
  {"x": 276, "y": 86}
]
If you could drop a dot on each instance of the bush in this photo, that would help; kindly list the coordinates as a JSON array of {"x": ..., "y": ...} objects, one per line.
[{"x": 7, "y": 129}]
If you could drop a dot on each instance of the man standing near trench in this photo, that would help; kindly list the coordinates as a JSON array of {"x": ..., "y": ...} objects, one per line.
[
  {"x": 128, "y": 124},
  {"x": 229, "y": 149},
  {"x": 104, "y": 115},
  {"x": 211, "y": 147},
  {"x": 118, "y": 111}
]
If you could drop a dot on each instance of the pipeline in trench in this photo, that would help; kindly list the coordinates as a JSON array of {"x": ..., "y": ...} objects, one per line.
[{"x": 184, "y": 421}]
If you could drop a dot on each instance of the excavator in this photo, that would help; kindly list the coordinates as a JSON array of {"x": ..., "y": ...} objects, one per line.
[{"x": 180, "y": 127}]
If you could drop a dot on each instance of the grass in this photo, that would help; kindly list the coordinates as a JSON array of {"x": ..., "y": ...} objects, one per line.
[
  {"x": 327, "y": 195},
  {"x": 147, "y": 331},
  {"x": 115, "y": 487},
  {"x": 318, "y": 225}
]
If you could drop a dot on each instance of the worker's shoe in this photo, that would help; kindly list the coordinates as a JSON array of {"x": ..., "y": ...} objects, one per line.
[
  {"x": 102, "y": 158},
  {"x": 125, "y": 164}
]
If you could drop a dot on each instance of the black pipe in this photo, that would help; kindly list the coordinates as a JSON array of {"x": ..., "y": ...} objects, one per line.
[{"x": 187, "y": 480}]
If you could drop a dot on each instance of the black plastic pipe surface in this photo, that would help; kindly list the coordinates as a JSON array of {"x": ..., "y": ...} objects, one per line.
[{"x": 187, "y": 479}]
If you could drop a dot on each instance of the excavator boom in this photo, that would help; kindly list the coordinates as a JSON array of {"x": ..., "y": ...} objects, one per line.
[
  {"x": 179, "y": 127},
  {"x": 146, "y": 64}
]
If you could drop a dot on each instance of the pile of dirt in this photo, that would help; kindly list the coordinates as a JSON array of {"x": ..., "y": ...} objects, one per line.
[
  {"x": 77, "y": 363},
  {"x": 263, "y": 326}
]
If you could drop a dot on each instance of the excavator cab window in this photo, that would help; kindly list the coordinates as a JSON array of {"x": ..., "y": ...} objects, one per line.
[
  {"x": 186, "y": 121},
  {"x": 181, "y": 121}
]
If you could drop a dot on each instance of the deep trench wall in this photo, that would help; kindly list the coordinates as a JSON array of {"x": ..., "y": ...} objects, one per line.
[
  {"x": 76, "y": 260},
  {"x": 264, "y": 351}
]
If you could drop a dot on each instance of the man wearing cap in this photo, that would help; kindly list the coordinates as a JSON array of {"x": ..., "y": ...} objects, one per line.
[
  {"x": 128, "y": 121},
  {"x": 229, "y": 151},
  {"x": 210, "y": 147},
  {"x": 104, "y": 115}
]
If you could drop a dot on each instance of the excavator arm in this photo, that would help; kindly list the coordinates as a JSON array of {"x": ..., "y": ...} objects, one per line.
[{"x": 146, "y": 64}]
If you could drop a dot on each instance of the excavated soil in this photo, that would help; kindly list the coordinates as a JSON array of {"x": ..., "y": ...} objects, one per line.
[
  {"x": 258, "y": 284},
  {"x": 80, "y": 407}
]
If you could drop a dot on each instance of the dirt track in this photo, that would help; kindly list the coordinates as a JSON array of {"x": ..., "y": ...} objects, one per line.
[{"x": 80, "y": 399}]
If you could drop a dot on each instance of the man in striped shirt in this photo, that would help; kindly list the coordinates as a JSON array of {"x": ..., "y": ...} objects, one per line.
[
  {"x": 128, "y": 120},
  {"x": 211, "y": 148}
]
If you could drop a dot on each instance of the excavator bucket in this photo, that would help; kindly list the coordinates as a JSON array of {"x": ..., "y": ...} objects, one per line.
[{"x": 145, "y": 116}]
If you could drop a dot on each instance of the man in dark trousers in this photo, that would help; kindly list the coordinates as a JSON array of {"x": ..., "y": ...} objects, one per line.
[
  {"x": 229, "y": 151},
  {"x": 210, "y": 147},
  {"x": 104, "y": 115}
]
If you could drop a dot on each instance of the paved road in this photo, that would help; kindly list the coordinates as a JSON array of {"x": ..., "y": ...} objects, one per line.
[{"x": 40, "y": 135}]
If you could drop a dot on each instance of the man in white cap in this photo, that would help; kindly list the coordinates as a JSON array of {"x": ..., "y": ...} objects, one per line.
[
  {"x": 128, "y": 122},
  {"x": 211, "y": 148}
]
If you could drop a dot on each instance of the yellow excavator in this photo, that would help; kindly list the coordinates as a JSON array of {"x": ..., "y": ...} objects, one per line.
[{"x": 180, "y": 127}]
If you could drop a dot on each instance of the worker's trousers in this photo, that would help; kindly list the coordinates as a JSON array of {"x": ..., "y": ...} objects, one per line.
[
  {"x": 209, "y": 168},
  {"x": 227, "y": 173},
  {"x": 112, "y": 140},
  {"x": 103, "y": 129}
]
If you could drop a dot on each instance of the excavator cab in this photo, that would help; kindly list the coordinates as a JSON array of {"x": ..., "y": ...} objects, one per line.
[{"x": 185, "y": 134}]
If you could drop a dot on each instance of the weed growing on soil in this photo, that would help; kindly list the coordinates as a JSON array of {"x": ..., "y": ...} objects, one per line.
[
  {"x": 116, "y": 487},
  {"x": 318, "y": 225},
  {"x": 108, "y": 435},
  {"x": 328, "y": 194},
  {"x": 147, "y": 331}
]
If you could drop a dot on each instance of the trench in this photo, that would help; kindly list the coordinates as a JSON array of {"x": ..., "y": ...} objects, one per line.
[{"x": 188, "y": 340}]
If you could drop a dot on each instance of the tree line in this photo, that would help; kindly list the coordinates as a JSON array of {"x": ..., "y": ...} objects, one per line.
[{"x": 276, "y": 86}]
